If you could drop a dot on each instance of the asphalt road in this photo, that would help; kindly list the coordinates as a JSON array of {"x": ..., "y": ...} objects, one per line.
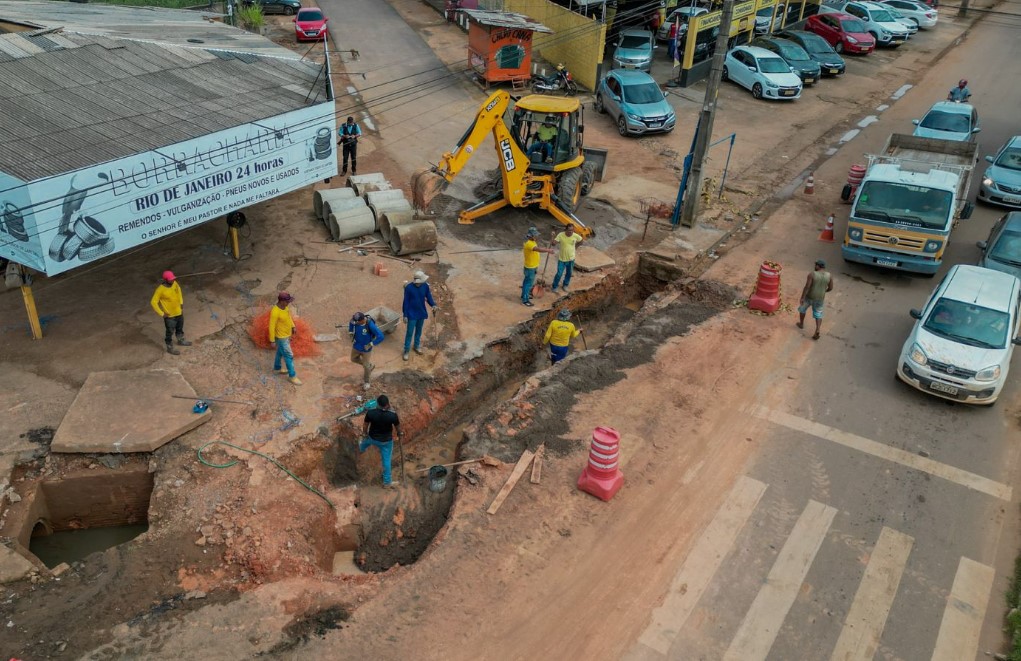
[{"x": 878, "y": 521}]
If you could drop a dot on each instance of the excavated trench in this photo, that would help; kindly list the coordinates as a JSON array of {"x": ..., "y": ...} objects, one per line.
[{"x": 463, "y": 414}]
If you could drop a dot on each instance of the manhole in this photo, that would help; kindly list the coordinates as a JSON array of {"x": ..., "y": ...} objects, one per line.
[{"x": 82, "y": 512}]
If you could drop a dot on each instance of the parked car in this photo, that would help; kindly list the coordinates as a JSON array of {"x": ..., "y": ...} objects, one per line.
[
  {"x": 830, "y": 63},
  {"x": 759, "y": 70},
  {"x": 844, "y": 32},
  {"x": 948, "y": 120},
  {"x": 794, "y": 55},
  {"x": 922, "y": 15},
  {"x": 912, "y": 26},
  {"x": 764, "y": 15},
  {"x": 635, "y": 102},
  {"x": 285, "y": 7},
  {"x": 634, "y": 50},
  {"x": 878, "y": 20},
  {"x": 963, "y": 339},
  {"x": 684, "y": 15},
  {"x": 1001, "y": 184},
  {"x": 310, "y": 24},
  {"x": 1002, "y": 250}
]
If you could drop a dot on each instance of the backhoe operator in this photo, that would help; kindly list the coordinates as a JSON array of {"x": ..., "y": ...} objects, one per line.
[{"x": 545, "y": 137}]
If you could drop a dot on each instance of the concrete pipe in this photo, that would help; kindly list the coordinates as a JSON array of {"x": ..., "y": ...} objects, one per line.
[
  {"x": 391, "y": 219},
  {"x": 365, "y": 189},
  {"x": 379, "y": 196},
  {"x": 319, "y": 197},
  {"x": 357, "y": 181},
  {"x": 413, "y": 238},
  {"x": 389, "y": 206},
  {"x": 351, "y": 223},
  {"x": 336, "y": 206}
]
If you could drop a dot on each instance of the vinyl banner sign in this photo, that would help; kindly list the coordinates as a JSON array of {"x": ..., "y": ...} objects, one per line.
[{"x": 57, "y": 224}]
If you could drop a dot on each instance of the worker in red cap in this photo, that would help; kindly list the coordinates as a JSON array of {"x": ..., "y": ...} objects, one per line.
[
  {"x": 281, "y": 328},
  {"x": 168, "y": 302}
]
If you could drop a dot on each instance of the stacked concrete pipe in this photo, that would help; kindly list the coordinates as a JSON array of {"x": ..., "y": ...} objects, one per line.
[
  {"x": 320, "y": 197},
  {"x": 391, "y": 219},
  {"x": 387, "y": 200},
  {"x": 359, "y": 182}
]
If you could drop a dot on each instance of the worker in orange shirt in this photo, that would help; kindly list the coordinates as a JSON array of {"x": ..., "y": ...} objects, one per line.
[
  {"x": 168, "y": 302},
  {"x": 281, "y": 328}
]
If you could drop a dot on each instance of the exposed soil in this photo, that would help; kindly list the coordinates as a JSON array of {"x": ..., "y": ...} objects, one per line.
[{"x": 399, "y": 532}]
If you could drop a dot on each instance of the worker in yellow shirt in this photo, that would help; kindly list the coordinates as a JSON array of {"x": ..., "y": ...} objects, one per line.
[
  {"x": 168, "y": 302},
  {"x": 281, "y": 328},
  {"x": 531, "y": 251},
  {"x": 559, "y": 335}
]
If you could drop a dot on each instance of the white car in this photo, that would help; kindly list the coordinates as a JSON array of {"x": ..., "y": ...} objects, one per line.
[
  {"x": 879, "y": 22},
  {"x": 963, "y": 339},
  {"x": 683, "y": 16},
  {"x": 903, "y": 20},
  {"x": 763, "y": 72},
  {"x": 922, "y": 15}
]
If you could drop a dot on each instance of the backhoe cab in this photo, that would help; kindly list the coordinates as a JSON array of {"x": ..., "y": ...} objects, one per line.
[{"x": 542, "y": 160}]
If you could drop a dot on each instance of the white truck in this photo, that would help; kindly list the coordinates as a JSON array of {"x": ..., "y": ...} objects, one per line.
[{"x": 909, "y": 201}]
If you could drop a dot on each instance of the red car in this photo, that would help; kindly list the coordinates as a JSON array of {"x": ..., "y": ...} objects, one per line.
[
  {"x": 310, "y": 24},
  {"x": 844, "y": 32}
]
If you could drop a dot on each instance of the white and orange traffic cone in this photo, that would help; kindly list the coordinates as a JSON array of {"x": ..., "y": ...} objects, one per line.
[
  {"x": 827, "y": 233},
  {"x": 810, "y": 184}
]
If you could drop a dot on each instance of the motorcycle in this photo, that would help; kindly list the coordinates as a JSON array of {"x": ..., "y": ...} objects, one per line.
[{"x": 560, "y": 79}]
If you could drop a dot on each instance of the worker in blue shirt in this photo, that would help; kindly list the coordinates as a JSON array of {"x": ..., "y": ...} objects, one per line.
[
  {"x": 416, "y": 295},
  {"x": 347, "y": 137},
  {"x": 365, "y": 335}
]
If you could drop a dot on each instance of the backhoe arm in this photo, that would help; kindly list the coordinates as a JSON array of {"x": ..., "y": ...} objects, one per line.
[{"x": 490, "y": 116}]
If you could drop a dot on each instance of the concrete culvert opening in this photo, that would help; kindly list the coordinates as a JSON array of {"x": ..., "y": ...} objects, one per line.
[{"x": 81, "y": 513}]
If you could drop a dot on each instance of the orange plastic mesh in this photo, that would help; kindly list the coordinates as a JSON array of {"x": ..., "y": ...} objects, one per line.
[{"x": 302, "y": 343}]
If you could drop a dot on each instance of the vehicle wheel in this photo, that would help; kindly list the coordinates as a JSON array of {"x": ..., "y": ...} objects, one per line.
[
  {"x": 588, "y": 178},
  {"x": 569, "y": 189},
  {"x": 726, "y": 74},
  {"x": 839, "y": 47},
  {"x": 915, "y": 21},
  {"x": 600, "y": 108},
  {"x": 757, "y": 90},
  {"x": 538, "y": 88},
  {"x": 288, "y": 11},
  {"x": 572, "y": 88},
  {"x": 622, "y": 126}
]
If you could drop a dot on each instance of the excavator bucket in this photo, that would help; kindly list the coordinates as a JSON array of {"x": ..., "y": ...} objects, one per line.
[{"x": 425, "y": 186}]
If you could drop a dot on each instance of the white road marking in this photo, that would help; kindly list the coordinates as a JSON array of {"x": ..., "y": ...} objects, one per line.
[
  {"x": 762, "y": 623},
  {"x": 901, "y": 92},
  {"x": 881, "y": 107},
  {"x": 870, "y": 119},
  {"x": 847, "y": 137},
  {"x": 896, "y": 455},
  {"x": 965, "y": 610},
  {"x": 701, "y": 565},
  {"x": 863, "y": 627}
]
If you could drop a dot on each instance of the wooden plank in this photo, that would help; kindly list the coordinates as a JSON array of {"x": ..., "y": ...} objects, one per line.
[
  {"x": 537, "y": 464},
  {"x": 519, "y": 470}
]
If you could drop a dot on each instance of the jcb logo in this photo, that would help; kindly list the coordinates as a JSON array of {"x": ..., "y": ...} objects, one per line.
[
  {"x": 508, "y": 155},
  {"x": 492, "y": 104}
]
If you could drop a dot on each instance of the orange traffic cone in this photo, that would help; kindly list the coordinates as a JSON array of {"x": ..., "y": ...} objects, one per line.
[
  {"x": 827, "y": 233},
  {"x": 810, "y": 184}
]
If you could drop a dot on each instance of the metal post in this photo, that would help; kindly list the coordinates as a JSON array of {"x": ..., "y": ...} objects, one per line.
[
  {"x": 726, "y": 166},
  {"x": 675, "y": 218},
  {"x": 962, "y": 11},
  {"x": 708, "y": 114},
  {"x": 33, "y": 314},
  {"x": 235, "y": 247}
]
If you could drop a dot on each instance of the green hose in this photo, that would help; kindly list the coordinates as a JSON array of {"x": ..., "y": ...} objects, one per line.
[{"x": 264, "y": 456}]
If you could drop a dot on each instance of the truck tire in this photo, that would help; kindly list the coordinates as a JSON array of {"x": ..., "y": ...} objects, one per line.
[
  {"x": 845, "y": 193},
  {"x": 588, "y": 178},
  {"x": 569, "y": 189}
]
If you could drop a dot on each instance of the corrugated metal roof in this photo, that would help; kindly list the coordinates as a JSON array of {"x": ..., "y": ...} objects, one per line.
[
  {"x": 505, "y": 19},
  {"x": 73, "y": 100}
]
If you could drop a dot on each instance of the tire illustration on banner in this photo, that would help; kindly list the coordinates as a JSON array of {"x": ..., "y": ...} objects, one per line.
[
  {"x": 321, "y": 147},
  {"x": 79, "y": 236},
  {"x": 12, "y": 221}
]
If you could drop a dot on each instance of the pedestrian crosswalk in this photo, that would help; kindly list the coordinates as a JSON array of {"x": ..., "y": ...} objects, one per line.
[{"x": 862, "y": 621}]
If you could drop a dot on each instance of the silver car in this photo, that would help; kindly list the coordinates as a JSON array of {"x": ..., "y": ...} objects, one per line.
[
  {"x": 1002, "y": 251},
  {"x": 1001, "y": 184},
  {"x": 634, "y": 50}
]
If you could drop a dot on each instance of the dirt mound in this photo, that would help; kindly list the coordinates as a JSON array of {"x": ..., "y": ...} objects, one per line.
[{"x": 302, "y": 343}]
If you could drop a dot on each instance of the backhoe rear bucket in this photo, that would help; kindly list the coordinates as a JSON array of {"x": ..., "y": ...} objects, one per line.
[{"x": 426, "y": 185}]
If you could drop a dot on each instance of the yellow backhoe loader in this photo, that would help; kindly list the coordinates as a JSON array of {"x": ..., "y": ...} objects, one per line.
[{"x": 541, "y": 158}]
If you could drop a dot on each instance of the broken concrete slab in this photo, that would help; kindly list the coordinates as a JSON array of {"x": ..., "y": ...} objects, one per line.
[
  {"x": 128, "y": 411},
  {"x": 13, "y": 566},
  {"x": 588, "y": 258}
]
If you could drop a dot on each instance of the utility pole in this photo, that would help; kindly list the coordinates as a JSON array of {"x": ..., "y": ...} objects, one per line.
[
  {"x": 706, "y": 117},
  {"x": 962, "y": 11}
]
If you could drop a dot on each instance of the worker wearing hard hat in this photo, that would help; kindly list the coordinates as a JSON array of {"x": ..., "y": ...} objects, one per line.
[{"x": 559, "y": 335}]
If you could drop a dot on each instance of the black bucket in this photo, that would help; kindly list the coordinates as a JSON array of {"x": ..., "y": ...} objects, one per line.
[{"x": 438, "y": 478}]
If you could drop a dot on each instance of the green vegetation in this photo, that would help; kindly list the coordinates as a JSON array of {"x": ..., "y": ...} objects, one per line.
[
  {"x": 250, "y": 17},
  {"x": 1014, "y": 612}
]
